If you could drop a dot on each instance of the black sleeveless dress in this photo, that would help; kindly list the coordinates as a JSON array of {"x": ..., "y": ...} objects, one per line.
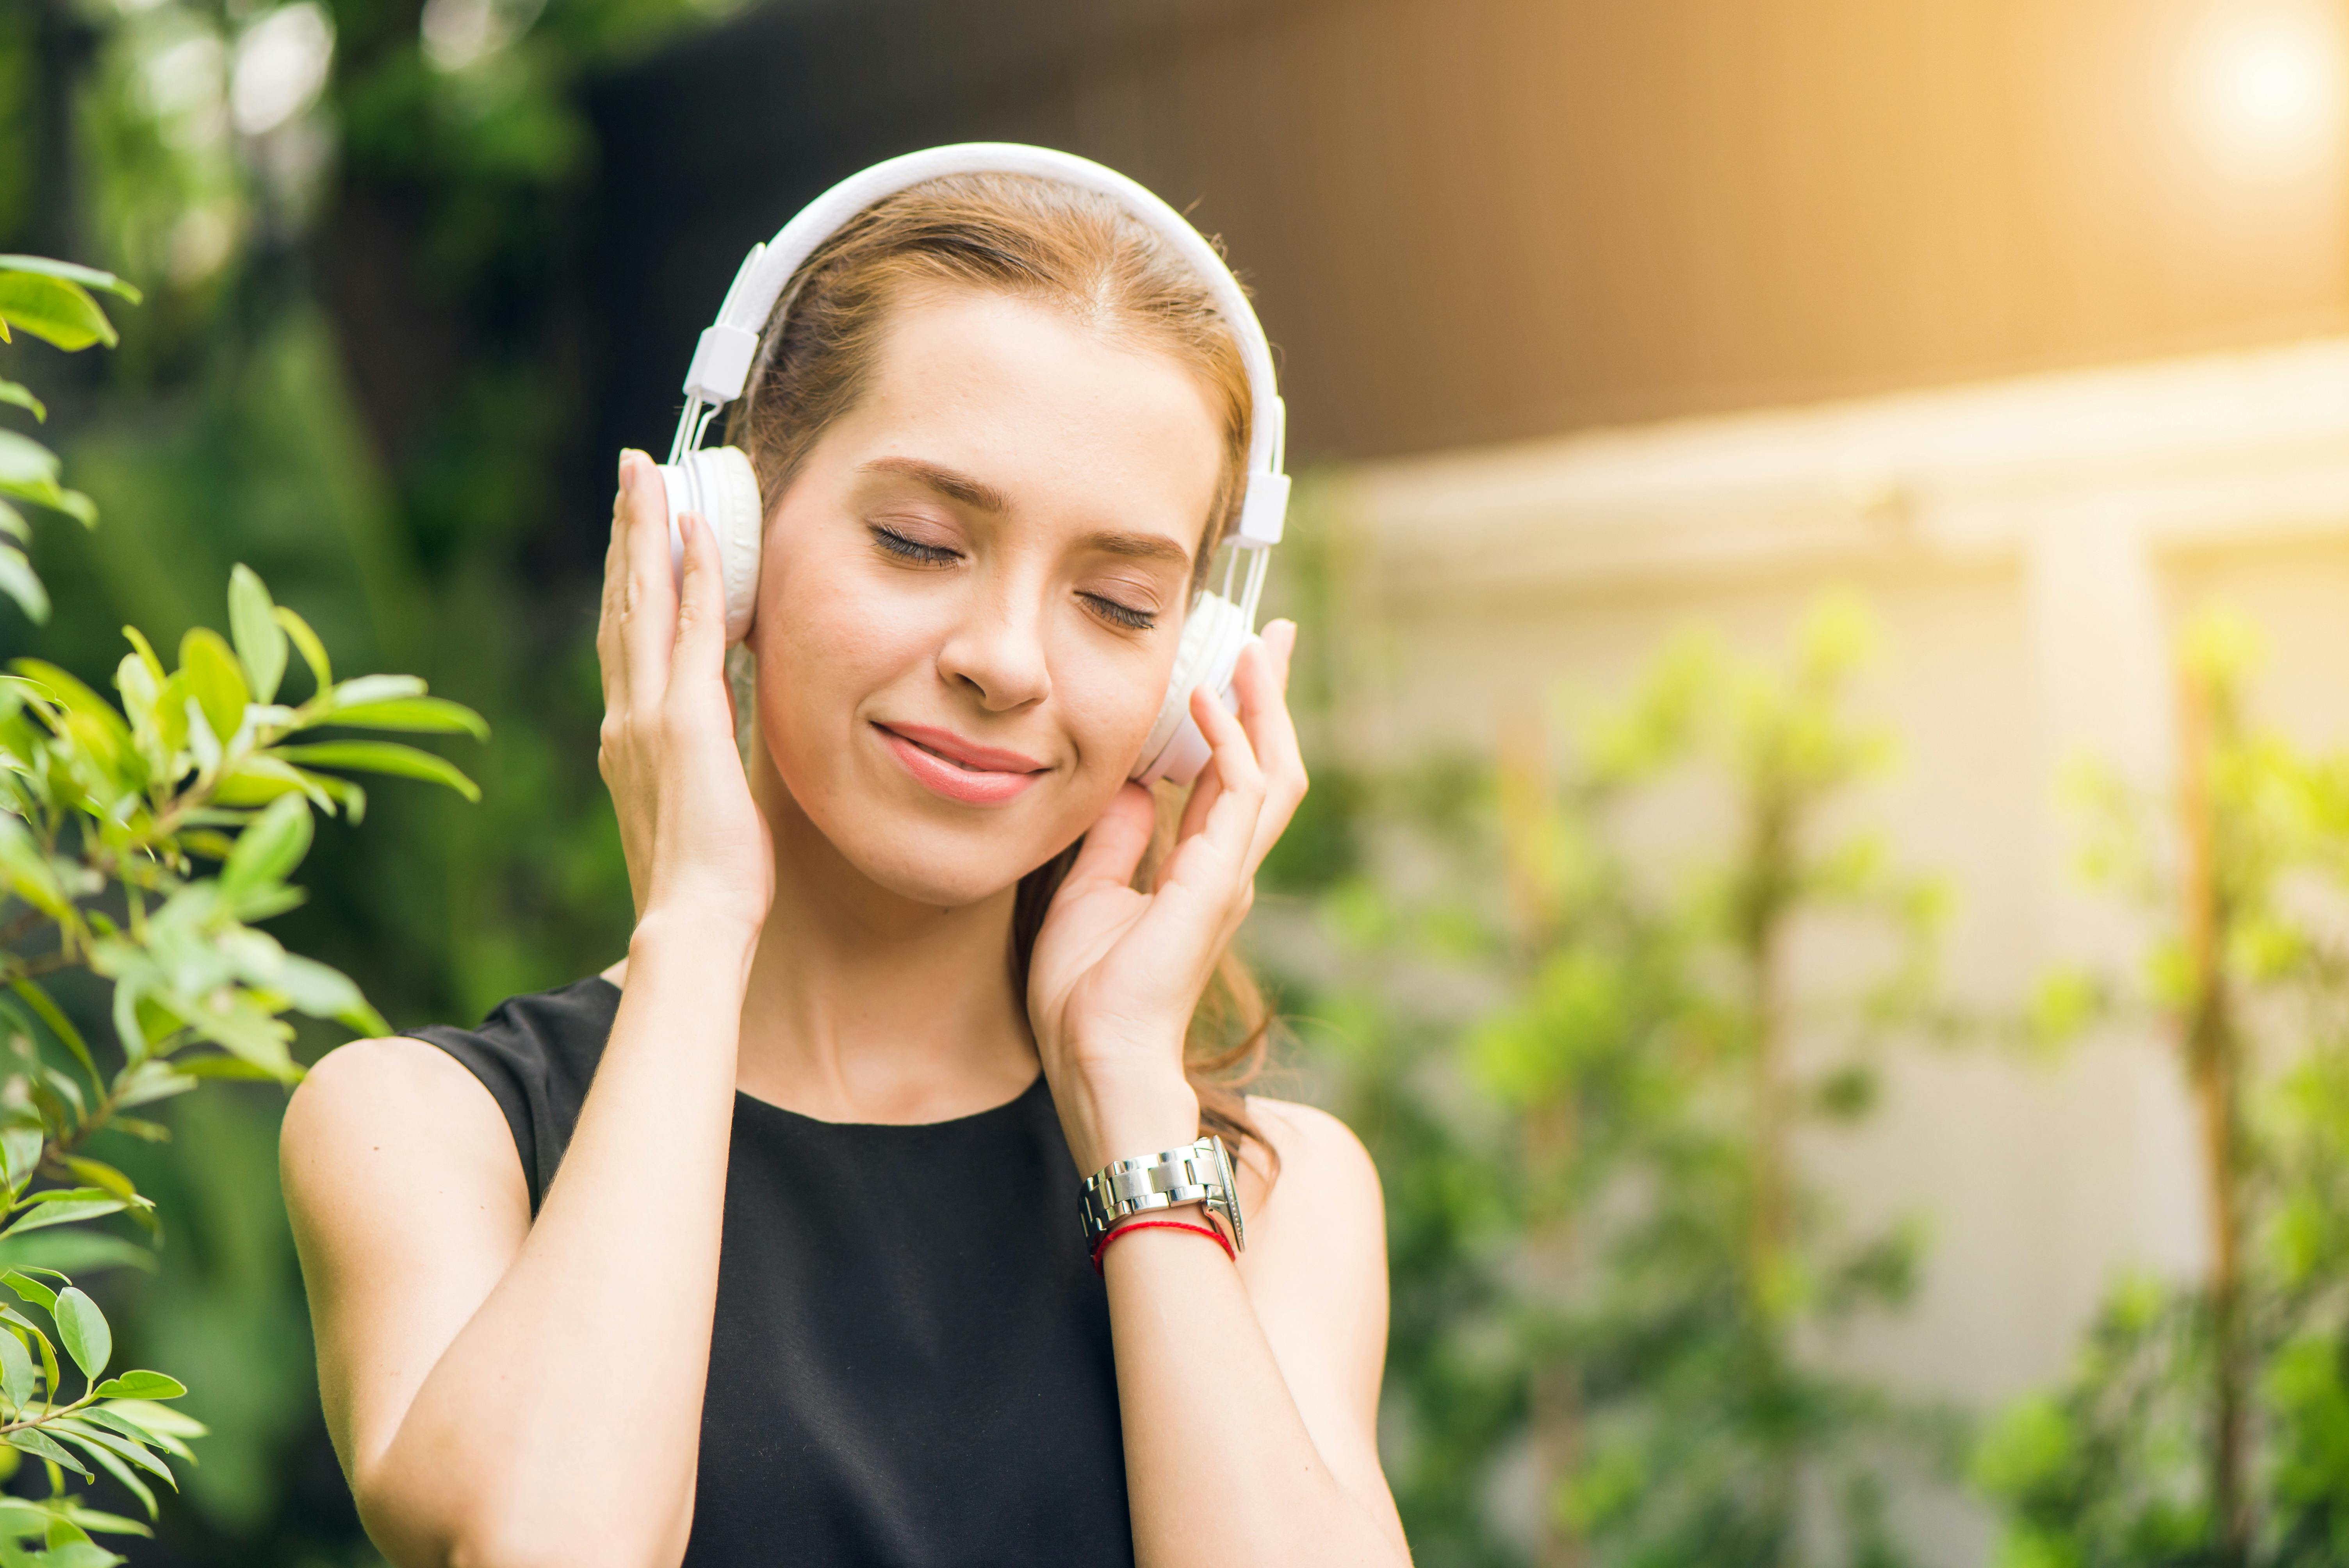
[{"x": 910, "y": 1364}]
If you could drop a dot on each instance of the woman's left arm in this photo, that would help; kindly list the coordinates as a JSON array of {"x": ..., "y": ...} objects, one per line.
[{"x": 1248, "y": 1395}]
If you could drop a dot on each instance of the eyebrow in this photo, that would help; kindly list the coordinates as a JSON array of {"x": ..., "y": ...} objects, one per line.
[
  {"x": 971, "y": 492},
  {"x": 1140, "y": 547},
  {"x": 954, "y": 485}
]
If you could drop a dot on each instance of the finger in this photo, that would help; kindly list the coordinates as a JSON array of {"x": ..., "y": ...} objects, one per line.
[
  {"x": 698, "y": 654},
  {"x": 648, "y": 602},
  {"x": 1272, "y": 735},
  {"x": 1120, "y": 836},
  {"x": 1280, "y": 641},
  {"x": 1205, "y": 789},
  {"x": 1219, "y": 849},
  {"x": 610, "y": 658}
]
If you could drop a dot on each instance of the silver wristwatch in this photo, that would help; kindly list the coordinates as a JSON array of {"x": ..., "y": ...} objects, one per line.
[{"x": 1197, "y": 1172}]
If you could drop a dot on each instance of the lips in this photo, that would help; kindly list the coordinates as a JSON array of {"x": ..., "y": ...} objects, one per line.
[{"x": 961, "y": 770}]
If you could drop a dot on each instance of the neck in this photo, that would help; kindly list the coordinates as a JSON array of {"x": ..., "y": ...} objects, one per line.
[{"x": 864, "y": 1006}]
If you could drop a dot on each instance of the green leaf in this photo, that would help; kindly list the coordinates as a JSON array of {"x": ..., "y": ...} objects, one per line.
[
  {"x": 141, "y": 1385},
  {"x": 83, "y": 1328},
  {"x": 13, "y": 522},
  {"x": 25, "y": 461},
  {"x": 220, "y": 1067},
  {"x": 79, "y": 1554},
  {"x": 84, "y": 1251},
  {"x": 128, "y": 1447},
  {"x": 67, "y": 1195},
  {"x": 72, "y": 271},
  {"x": 16, "y": 1375},
  {"x": 40, "y": 1445},
  {"x": 40, "y": 1343},
  {"x": 30, "y": 1289},
  {"x": 105, "y": 1178},
  {"x": 17, "y": 394},
  {"x": 146, "y": 652},
  {"x": 361, "y": 690},
  {"x": 382, "y": 756},
  {"x": 345, "y": 792},
  {"x": 314, "y": 651},
  {"x": 26, "y": 872},
  {"x": 99, "y": 1520},
  {"x": 323, "y": 991},
  {"x": 44, "y": 1215},
  {"x": 114, "y": 1467},
  {"x": 431, "y": 715},
  {"x": 160, "y": 1419},
  {"x": 22, "y": 585},
  {"x": 150, "y": 1082},
  {"x": 216, "y": 679},
  {"x": 260, "y": 640},
  {"x": 262, "y": 777},
  {"x": 269, "y": 847},
  {"x": 59, "y": 1025},
  {"x": 20, "y": 1150},
  {"x": 57, "y": 310}
]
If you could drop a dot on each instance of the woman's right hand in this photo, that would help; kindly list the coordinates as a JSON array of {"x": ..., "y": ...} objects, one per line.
[{"x": 696, "y": 843}]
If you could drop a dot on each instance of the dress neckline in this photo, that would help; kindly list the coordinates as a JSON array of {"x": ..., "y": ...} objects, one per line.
[{"x": 745, "y": 1099}]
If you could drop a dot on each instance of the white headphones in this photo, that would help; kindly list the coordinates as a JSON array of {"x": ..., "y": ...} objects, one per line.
[{"x": 718, "y": 484}]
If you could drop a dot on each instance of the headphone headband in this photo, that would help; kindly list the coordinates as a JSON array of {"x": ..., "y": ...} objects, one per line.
[{"x": 722, "y": 358}]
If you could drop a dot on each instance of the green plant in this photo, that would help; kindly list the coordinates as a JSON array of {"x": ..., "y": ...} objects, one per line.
[
  {"x": 1605, "y": 1246},
  {"x": 50, "y": 301},
  {"x": 105, "y": 816},
  {"x": 2207, "y": 1422}
]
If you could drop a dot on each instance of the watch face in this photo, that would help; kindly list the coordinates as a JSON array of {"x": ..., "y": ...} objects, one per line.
[{"x": 1231, "y": 1204}]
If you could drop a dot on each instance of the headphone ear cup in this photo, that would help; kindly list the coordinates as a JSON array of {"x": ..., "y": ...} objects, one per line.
[
  {"x": 720, "y": 484},
  {"x": 1214, "y": 633}
]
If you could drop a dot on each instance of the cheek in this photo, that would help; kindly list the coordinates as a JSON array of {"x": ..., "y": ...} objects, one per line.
[
  {"x": 826, "y": 642},
  {"x": 1108, "y": 704}
]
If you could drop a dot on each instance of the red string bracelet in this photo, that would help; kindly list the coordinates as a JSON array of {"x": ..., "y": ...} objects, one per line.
[{"x": 1209, "y": 1231}]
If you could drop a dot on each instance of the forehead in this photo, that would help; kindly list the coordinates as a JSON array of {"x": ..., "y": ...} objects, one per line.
[{"x": 1071, "y": 423}]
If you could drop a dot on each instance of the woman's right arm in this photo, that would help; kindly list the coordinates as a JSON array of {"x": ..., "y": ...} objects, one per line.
[{"x": 505, "y": 1394}]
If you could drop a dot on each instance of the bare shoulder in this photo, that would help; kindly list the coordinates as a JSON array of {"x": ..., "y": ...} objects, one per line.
[
  {"x": 1317, "y": 1148},
  {"x": 389, "y": 1102},
  {"x": 1324, "y": 1201}
]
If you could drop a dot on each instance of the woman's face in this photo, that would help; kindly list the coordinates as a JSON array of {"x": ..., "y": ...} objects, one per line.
[{"x": 970, "y": 594}]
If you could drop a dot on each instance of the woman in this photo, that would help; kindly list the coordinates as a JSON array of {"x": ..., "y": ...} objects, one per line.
[{"x": 762, "y": 1247}]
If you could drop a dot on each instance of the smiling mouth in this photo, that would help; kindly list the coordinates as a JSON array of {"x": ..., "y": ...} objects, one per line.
[
  {"x": 950, "y": 761},
  {"x": 947, "y": 765}
]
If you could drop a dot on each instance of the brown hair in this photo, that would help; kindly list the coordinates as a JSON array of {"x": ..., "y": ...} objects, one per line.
[{"x": 1080, "y": 252}]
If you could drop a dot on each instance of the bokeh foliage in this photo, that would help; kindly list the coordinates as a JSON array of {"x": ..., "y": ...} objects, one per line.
[
  {"x": 1588, "y": 1059},
  {"x": 2207, "y": 1422}
]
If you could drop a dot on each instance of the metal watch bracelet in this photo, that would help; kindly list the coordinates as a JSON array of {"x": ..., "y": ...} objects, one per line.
[{"x": 1197, "y": 1172}]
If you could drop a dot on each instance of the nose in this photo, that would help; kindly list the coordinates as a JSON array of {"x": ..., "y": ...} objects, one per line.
[{"x": 997, "y": 651}]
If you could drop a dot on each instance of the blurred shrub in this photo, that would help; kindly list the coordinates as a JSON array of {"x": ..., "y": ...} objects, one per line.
[
  {"x": 1569, "y": 1007},
  {"x": 2208, "y": 1422}
]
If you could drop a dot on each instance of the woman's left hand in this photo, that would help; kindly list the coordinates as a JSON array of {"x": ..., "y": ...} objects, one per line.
[{"x": 1116, "y": 972}]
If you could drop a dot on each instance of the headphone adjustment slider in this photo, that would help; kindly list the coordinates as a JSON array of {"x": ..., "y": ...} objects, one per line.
[
  {"x": 1263, "y": 510},
  {"x": 721, "y": 363}
]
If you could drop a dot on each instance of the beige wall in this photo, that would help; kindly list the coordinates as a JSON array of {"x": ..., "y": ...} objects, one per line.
[{"x": 2029, "y": 547}]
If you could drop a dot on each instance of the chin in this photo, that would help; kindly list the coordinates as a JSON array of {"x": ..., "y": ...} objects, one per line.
[{"x": 946, "y": 870}]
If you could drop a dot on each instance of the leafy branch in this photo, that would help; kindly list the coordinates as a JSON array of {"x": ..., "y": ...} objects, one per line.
[{"x": 141, "y": 842}]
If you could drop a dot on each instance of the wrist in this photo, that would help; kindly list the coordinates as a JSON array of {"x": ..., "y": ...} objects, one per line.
[
  {"x": 665, "y": 933},
  {"x": 1132, "y": 1116}
]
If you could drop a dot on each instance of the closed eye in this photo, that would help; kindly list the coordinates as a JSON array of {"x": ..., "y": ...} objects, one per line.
[
  {"x": 1125, "y": 615},
  {"x": 897, "y": 544}
]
